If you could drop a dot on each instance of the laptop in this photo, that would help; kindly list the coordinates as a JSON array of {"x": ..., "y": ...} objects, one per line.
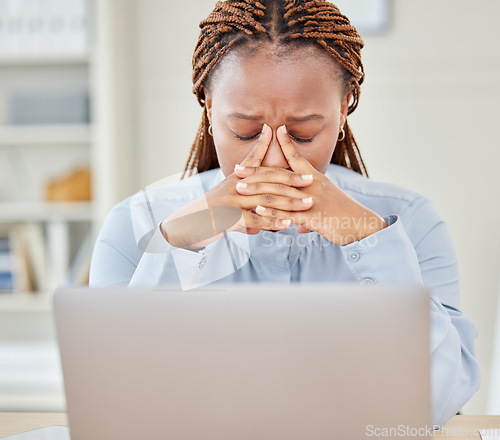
[{"x": 238, "y": 362}]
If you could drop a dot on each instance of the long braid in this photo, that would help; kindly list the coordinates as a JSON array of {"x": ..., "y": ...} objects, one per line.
[
  {"x": 236, "y": 22},
  {"x": 219, "y": 32},
  {"x": 323, "y": 23}
]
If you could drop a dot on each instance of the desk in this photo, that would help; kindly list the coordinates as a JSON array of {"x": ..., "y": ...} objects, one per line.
[
  {"x": 15, "y": 423},
  {"x": 458, "y": 428},
  {"x": 466, "y": 427}
]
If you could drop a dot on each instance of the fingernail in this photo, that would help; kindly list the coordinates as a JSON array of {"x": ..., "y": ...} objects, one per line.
[
  {"x": 307, "y": 177},
  {"x": 283, "y": 129},
  {"x": 286, "y": 222},
  {"x": 308, "y": 200},
  {"x": 260, "y": 209},
  {"x": 241, "y": 185},
  {"x": 265, "y": 128},
  {"x": 238, "y": 167}
]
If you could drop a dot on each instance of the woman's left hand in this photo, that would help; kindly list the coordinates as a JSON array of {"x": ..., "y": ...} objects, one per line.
[{"x": 333, "y": 214}]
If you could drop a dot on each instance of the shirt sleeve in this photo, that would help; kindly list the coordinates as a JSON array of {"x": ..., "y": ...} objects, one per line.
[
  {"x": 116, "y": 254},
  {"x": 131, "y": 250},
  {"x": 416, "y": 248}
]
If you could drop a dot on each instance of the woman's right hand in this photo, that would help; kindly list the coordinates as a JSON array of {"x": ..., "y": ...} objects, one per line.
[{"x": 202, "y": 221}]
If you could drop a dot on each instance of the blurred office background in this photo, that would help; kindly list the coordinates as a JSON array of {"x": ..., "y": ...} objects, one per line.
[{"x": 427, "y": 120}]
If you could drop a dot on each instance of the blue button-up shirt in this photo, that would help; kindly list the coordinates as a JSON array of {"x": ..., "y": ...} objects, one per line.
[{"x": 414, "y": 248}]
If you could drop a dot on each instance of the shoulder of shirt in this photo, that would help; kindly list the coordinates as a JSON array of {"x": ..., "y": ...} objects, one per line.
[
  {"x": 175, "y": 189},
  {"x": 358, "y": 185}
]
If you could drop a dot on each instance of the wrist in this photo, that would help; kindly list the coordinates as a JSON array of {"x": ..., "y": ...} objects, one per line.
[
  {"x": 370, "y": 224},
  {"x": 184, "y": 239},
  {"x": 347, "y": 230}
]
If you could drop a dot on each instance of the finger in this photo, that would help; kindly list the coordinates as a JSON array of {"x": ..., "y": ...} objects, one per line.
[
  {"x": 302, "y": 229},
  {"x": 296, "y": 161},
  {"x": 300, "y": 219},
  {"x": 273, "y": 175},
  {"x": 277, "y": 189},
  {"x": 252, "y": 221},
  {"x": 276, "y": 203},
  {"x": 256, "y": 156}
]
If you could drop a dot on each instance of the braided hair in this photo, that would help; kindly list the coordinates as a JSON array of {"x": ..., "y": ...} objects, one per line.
[{"x": 238, "y": 23}]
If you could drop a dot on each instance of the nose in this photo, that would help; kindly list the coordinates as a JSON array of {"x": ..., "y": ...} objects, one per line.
[{"x": 274, "y": 156}]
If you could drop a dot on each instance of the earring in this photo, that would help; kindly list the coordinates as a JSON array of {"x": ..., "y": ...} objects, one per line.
[
  {"x": 210, "y": 132},
  {"x": 342, "y": 132}
]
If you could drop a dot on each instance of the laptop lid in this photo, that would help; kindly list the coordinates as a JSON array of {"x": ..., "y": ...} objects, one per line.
[{"x": 245, "y": 362}]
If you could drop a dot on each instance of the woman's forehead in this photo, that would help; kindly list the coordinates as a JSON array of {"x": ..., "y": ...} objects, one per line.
[
  {"x": 284, "y": 63},
  {"x": 303, "y": 75}
]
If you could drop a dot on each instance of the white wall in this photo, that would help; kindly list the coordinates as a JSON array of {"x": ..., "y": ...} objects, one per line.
[
  {"x": 168, "y": 113},
  {"x": 428, "y": 120}
]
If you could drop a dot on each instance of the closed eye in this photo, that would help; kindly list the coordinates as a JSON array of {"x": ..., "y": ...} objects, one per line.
[
  {"x": 251, "y": 138},
  {"x": 247, "y": 138},
  {"x": 301, "y": 140}
]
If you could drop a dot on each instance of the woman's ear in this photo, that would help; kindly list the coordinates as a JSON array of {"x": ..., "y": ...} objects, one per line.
[
  {"x": 208, "y": 104},
  {"x": 344, "y": 107}
]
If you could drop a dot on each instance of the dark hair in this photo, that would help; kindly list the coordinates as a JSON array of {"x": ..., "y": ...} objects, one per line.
[{"x": 237, "y": 23}]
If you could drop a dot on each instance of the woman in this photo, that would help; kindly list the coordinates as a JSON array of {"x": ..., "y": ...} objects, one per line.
[{"x": 281, "y": 192}]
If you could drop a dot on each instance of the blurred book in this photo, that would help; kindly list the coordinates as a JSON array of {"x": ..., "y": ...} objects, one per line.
[
  {"x": 24, "y": 276},
  {"x": 7, "y": 274},
  {"x": 78, "y": 274},
  {"x": 36, "y": 253},
  {"x": 23, "y": 259}
]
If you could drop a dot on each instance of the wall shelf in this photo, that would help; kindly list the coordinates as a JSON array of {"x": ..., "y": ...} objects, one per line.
[
  {"x": 44, "y": 60},
  {"x": 19, "y": 302},
  {"x": 13, "y": 135},
  {"x": 45, "y": 211}
]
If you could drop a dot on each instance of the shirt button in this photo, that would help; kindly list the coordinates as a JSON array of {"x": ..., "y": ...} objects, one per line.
[
  {"x": 202, "y": 263},
  {"x": 367, "y": 281},
  {"x": 353, "y": 256}
]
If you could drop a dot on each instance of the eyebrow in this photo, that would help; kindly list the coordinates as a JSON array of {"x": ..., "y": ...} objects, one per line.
[{"x": 237, "y": 115}]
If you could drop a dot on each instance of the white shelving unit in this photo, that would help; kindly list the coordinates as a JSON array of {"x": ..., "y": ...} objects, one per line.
[
  {"x": 48, "y": 72},
  {"x": 30, "y": 156}
]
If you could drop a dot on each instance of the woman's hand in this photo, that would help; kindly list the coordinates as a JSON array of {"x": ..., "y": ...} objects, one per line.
[
  {"x": 188, "y": 228},
  {"x": 330, "y": 211}
]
